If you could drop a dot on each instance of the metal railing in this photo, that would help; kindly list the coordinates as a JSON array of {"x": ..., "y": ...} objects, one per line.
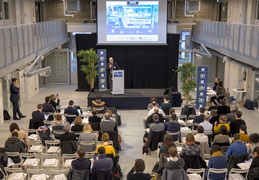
[
  {"x": 18, "y": 42},
  {"x": 242, "y": 39}
]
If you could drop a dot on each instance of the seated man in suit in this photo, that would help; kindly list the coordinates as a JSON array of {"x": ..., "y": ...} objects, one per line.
[
  {"x": 38, "y": 113},
  {"x": 48, "y": 108},
  {"x": 232, "y": 115},
  {"x": 94, "y": 118},
  {"x": 81, "y": 163},
  {"x": 37, "y": 118},
  {"x": 200, "y": 118},
  {"x": 70, "y": 110},
  {"x": 223, "y": 109}
]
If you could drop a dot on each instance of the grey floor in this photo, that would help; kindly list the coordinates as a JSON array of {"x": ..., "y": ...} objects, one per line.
[{"x": 131, "y": 129}]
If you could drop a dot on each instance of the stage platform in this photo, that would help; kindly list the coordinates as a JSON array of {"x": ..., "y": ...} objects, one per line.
[{"x": 131, "y": 99}]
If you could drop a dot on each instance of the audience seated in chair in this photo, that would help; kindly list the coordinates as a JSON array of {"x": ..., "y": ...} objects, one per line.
[
  {"x": 236, "y": 148},
  {"x": 235, "y": 125},
  {"x": 87, "y": 134},
  {"x": 136, "y": 173},
  {"x": 156, "y": 133},
  {"x": 98, "y": 105},
  {"x": 108, "y": 148},
  {"x": 172, "y": 116},
  {"x": 57, "y": 128},
  {"x": 48, "y": 108},
  {"x": 107, "y": 124},
  {"x": 174, "y": 167},
  {"x": 160, "y": 111},
  {"x": 70, "y": 110},
  {"x": 217, "y": 161},
  {"x": 173, "y": 126},
  {"x": 200, "y": 137},
  {"x": 166, "y": 105},
  {"x": 38, "y": 115},
  {"x": 53, "y": 99},
  {"x": 213, "y": 117},
  {"x": 199, "y": 119},
  {"x": 222, "y": 139},
  {"x": 207, "y": 126},
  {"x": 242, "y": 132},
  {"x": 150, "y": 118},
  {"x": 21, "y": 134},
  {"x": 78, "y": 125},
  {"x": 94, "y": 118},
  {"x": 220, "y": 93},
  {"x": 254, "y": 167},
  {"x": 153, "y": 100},
  {"x": 253, "y": 142},
  {"x": 68, "y": 142},
  {"x": 102, "y": 168},
  {"x": 222, "y": 121},
  {"x": 232, "y": 115},
  {"x": 190, "y": 148},
  {"x": 81, "y": 163},
  {"x": 223, "y": 109},
  {"x": 167, "y": 143}
]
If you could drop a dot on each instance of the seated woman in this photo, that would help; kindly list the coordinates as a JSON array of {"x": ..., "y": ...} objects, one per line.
[
  {"x": 54, "y": 103},
  {"x": 58, "y": 126},
  {"x": 190, "y": 148},
  {"x": 214, "y": 116},
  {"x": 172, "y": 116},
  {"x": 21, "y": 134},
  {"x": 137, "y": 171},
  {"x": 94, "y": 118},
  {"x": 242, "y": 132},
  {"x": 167, "y": 143},
  {"x": 200, "y": 137},
  {"x": 222, "y": 121},
  {"x": 253, "y": 142},
  {"x": 109, "y": 149},
  {"x": 222, "y": 139},
  {"x": 87, "y": 134},
  {"x": 254, "y": 167},
  {"x": 78, "y": 126},
  {"x": 217, "y": 161},
  {"x": 166, "y": 105},
  {"x": 150, "y": 105}
]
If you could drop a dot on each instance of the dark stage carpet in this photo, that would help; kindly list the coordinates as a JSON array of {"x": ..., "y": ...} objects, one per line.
[{"x": 132, "y": 99}]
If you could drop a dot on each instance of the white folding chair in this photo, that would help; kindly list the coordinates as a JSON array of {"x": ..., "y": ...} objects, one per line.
[
  {"x": 196, "y": 174},
  {"x": 34, "y": 172},
  {"x": 10, "y": 171},
  {"x": 89, "y": 155},
  {"x": 31, "y": 159},
  {"x": 236, "y": 173},
  {"x": 67, "y": 158},
  {"x": 57, "y": 174},
  {"x": 15, "y": 155},
  {"x": 87, "y": 145},
  {"x": 217, "y": 171},
  {"x": 49, "y": 160}
]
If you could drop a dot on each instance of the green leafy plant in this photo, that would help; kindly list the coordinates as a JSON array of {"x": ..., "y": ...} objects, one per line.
[
  {"x": 187, "y": 71},
  {"x": 90, "y": 68}
]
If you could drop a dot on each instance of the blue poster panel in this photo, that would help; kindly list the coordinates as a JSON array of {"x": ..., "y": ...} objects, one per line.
[
  {"x": 202, "y": 80},
  {"x": 102, "y": 74}
]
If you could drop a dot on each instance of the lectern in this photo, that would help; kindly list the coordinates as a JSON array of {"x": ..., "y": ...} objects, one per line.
[{"x": 118, "y": 81}]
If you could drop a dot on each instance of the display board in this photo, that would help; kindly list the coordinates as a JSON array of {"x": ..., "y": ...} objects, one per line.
[{"x": 202, "y": 81}]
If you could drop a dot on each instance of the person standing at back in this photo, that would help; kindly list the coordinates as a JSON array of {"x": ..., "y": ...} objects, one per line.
[{"x": 14, "y": 98}]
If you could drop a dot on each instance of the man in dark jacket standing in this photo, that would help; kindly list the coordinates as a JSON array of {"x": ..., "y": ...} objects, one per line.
[{"x": 15, "y": 91}]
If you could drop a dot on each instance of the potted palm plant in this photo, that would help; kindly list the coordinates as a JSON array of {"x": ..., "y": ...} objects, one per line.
[
  {"x": 187, "y": 72},
  {"x": 90, "y": 68}
]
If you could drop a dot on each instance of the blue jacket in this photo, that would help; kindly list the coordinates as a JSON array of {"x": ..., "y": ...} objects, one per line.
[
  {"x": 103, "y": 163},
  {"x": 219, "y": 162},
  {"x": 237, "y": 148}
]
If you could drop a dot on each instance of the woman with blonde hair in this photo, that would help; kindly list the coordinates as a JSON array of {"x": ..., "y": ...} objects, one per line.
[
  {"x": 87, "y": 134},
  {"x": 53, "y": 102},
  {"x": 109, "y": 149},
  {"x": 78, "y": 124}
]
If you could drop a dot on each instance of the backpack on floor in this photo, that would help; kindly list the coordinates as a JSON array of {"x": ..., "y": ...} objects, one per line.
[
  {"x": 6, "y": 115},
  {"x": 249, "y": 104}
]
